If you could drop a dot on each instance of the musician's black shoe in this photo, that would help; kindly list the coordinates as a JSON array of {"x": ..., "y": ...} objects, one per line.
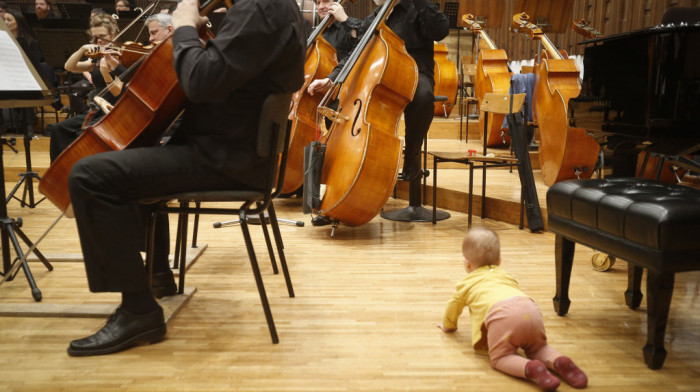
[
  {"x": 163, "y": 284},
  {"x": 321, "y": 220},
  {"x": 123, "y": 330}
]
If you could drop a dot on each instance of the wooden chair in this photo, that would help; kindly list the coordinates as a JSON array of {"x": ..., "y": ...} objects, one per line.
[{"x": 272, "y": 142}]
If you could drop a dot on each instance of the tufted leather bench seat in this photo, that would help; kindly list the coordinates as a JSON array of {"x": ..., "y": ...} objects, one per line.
[{"x": 651, "y": 225}]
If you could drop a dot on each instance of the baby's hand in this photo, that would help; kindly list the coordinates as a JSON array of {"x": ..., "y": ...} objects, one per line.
[{"x": 442, "y": 327}]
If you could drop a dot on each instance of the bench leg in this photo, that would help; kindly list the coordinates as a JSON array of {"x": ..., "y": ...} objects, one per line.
[
  {"x": 633, "y": 295},
  {"x": 564, "y": 259},
  {"x": 659, "y": 293}
]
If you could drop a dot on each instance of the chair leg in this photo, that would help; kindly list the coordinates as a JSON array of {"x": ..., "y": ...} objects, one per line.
[
  {"x": 659, "y": 293},
  {"x": 182, "y": 239},
  {"x": 258, "y": 278},
  {"x": 195, "y": 227},
  {"x": 150, "y": 239},
  {"x": 280, "y": 248},
  {"x": 633, "y": 295},
  {"x": 268, "y": 243},
  {"x": 564, "y": 259}
]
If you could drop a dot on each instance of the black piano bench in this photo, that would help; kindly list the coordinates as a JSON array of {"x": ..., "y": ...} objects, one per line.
[{"x": 651, "y": 225}]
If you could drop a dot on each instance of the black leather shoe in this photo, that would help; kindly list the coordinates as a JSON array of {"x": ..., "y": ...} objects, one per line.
[
  {"x": 163, "y": 284},
  {"x": 123, "y": 330},
  {"x": 321, "y": 220}
]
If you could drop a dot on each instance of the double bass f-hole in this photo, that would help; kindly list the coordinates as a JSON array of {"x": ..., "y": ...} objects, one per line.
[{"x": 356, "y": 131}]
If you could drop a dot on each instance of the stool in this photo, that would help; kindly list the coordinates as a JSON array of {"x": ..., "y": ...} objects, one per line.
[
  {"x": 443, "y": 99},
  {"x": 486, "y": 162},
  {"x": 651, "y": 225}
]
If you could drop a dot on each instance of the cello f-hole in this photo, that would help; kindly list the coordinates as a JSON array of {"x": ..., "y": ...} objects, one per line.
[{"x": 357, "y": 131}]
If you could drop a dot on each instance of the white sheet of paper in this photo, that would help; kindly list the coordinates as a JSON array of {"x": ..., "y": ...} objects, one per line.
[{"x": 14, "y": 73}]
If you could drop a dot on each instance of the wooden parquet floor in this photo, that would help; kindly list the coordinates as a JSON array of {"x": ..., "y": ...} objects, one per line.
[{"x": 363, "y": 318}]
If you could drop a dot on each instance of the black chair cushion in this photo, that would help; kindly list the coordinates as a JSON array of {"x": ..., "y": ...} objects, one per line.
[{"x": 629, "y": 217}]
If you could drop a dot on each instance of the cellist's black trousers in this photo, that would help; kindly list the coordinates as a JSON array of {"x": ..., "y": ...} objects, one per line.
[
  {"x": 105, "y": 189},
  {"x": 418, "y": 116}
]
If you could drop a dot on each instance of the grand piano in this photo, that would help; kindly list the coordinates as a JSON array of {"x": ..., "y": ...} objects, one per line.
[{"x": 641, "y": 91}]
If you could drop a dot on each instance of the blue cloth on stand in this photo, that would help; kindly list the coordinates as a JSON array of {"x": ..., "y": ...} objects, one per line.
[{"x": 522, "y": 83}]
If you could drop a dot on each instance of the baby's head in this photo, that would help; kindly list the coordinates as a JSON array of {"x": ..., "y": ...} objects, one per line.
[{"x": 480, "y": 247}]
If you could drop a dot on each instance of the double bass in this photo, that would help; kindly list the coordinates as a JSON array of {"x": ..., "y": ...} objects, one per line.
[
  {"x": 492, "y": 76},
  {"x": 565, "y": 152},
  {"x": 445, "y": 75},
  {"x": 363, "y": 150},
  {"x": 320, "y": 61},
  {"x": 152, "y": 100}
]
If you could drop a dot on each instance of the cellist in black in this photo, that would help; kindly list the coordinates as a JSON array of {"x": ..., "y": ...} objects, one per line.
[
  {"x": 226, "y": 82},
  {"x": 418, "y": 23}
]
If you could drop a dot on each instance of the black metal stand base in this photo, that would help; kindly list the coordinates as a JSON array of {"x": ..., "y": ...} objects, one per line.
[
  {"x": 415, "y": 212},
  {"x": 27, "y": 177},
  {"x": 255, "y": 220},
  {"x": 9, "y": 230}
]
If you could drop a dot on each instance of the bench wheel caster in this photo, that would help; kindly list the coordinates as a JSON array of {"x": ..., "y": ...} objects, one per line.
[{"x": 602, "y": 262}]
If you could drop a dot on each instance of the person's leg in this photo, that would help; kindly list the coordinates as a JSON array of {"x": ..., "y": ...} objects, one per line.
[
  {"x": 418, "y": 116},
  {"x": 538, "y": 349},
  {"x": 105, "y": 189},
  {"x": 507, "y": 327}
]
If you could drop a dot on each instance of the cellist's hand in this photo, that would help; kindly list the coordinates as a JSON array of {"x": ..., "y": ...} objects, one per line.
[
  {"x": 318, "y": 85},
  {"x": 187, "y": 14},
  {"x": 338, "y": 12}
]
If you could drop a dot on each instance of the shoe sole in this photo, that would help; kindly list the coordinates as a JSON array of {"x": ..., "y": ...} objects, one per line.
[{"x": 154, "y": 335}]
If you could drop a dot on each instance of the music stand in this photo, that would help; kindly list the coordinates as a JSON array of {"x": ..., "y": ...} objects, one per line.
[
  {"x": 26, "y": 177},
  {"x": 23, "y": 87},
  {"x": 75, "y": 10}
]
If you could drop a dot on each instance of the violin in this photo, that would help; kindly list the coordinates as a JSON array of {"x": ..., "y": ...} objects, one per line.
[
  {"x": 320, "y": 61},
  {"x": 363, "y": 150},
  {"x": 151, "y": 101},
  {"x": 445, "y": 80},
  {"x": 128, "y": 53},
  {"x": 492, "y": 76},
  {"x": 565, "y": 152}
]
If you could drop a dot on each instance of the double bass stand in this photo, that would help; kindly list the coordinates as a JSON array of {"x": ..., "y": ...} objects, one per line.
[
  {"x": 415, "y": 212},
  {"x": 9, "y": 230}
]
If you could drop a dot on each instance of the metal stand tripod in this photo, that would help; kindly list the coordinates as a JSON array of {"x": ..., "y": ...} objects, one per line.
[
  {"x": 9, "y": 230},
  {"x": 27, "y": 177}
]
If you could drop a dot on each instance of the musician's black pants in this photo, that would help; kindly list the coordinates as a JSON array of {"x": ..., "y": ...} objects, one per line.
[
  {"x": 417, "y": 116},
  {"x": 105, "y": 189}
]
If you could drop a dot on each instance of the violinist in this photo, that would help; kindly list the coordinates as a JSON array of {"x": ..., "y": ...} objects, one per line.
[
  {"x": 160, "y": 27},
  {"x": 44, "y": 10},
  {"x": 215, "y": 148},
  {"x": 122, "y": 5},
  {"x": 418, "y": 23},
  {"x": 103, "y": 75}
]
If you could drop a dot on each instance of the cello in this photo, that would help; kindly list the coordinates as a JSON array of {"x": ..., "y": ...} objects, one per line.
[
  {"x": 363, "y": 150},
  {"x": 492, "y": 76},
  {"x": 445, "y": 80},
  {"x": 565, "y": 152},
  {"x": 320, "y": 61},
  {"x": 152, "y": 100}
]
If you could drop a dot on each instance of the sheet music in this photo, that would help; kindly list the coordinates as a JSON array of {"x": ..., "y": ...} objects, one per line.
[{"x": 14, "y": 73}]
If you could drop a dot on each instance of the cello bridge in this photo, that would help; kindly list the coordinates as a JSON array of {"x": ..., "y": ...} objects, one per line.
[{"x": 332, "y": 115}]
